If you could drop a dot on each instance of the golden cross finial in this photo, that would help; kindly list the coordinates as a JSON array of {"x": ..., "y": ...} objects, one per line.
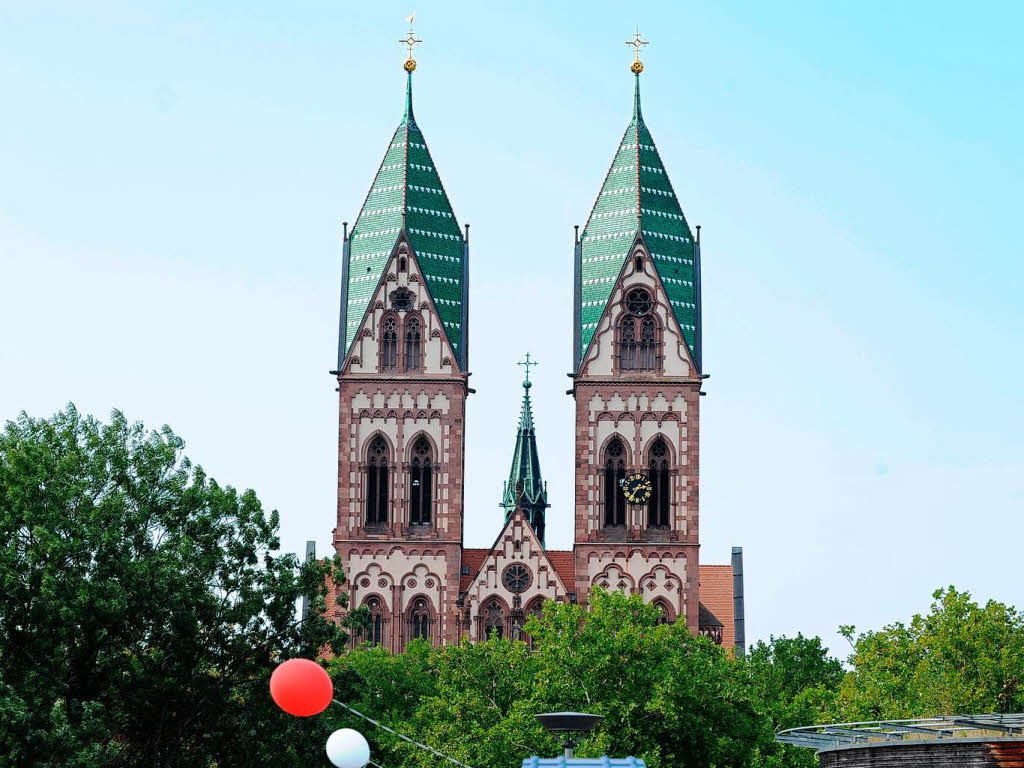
[
  {"x": 410, "y": 40},
  {"x": 527, "y": 364},
  {"x": 637, "y": 42}
]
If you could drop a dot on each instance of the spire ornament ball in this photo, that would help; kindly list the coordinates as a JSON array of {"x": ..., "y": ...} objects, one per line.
[
  {"x": 637, "y": 42},
  {"x": 410, "y": 40}
]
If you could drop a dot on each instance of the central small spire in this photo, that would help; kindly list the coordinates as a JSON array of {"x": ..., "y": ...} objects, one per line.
[{"x": 525, "y": 488}]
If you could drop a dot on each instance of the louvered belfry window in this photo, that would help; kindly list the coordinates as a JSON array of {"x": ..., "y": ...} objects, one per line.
[
  {"x": 420, "y": 482},
  {"x": 377, "y": 482},
  {"x": 661, "y": 484},
  {"x": 614, "y": 474}
]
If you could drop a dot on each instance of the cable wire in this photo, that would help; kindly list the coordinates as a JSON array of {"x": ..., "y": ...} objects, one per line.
[{"x": 399, "y": 735}]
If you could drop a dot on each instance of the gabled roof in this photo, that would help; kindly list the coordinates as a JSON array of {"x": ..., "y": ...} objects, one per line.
[
  {"x": 407, "y": 193},
  {"x": 474, "y": 560},
  {"x": 715, "y": 590},
  {"x": 637, "y": 199},
  {"x": 564, "y": 563},
  {"x": 525, "y": 487}
]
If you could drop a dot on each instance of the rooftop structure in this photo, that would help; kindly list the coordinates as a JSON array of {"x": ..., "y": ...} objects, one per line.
[{"x": 936, "y": 742}]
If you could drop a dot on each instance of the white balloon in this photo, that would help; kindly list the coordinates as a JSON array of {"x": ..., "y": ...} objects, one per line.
[{"x": 348, "y": 749}]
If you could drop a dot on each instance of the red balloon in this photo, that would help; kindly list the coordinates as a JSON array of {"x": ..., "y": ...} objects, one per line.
[{"x": 301, "y": 687}]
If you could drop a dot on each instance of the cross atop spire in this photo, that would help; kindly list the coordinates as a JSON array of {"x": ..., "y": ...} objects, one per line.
[
  {"x": 638, "y": 43},
  {"x": 410, "y": 40},
  {"x": 527, "y": 363}
]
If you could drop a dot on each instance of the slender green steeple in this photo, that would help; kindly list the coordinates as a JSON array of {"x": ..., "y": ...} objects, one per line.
[
  {"x": 636, "y": 200},
  {"x": 525, "y": 488},
  {"x": 407, "y": 196}
]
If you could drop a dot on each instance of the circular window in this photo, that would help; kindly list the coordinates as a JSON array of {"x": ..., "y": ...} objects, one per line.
[
  {"x": 517, "y": 578},
  {"x": 638, "y": 302},
  {"x": 402, "y": 299}
]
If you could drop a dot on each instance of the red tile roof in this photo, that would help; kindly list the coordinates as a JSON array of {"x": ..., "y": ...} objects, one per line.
[
  {"x": 716, "y": 594},
  {"x": 564, "y": 563},
  {"x": 472, "y": 559}
]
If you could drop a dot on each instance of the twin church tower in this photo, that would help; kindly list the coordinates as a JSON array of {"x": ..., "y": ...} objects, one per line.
[{"x": 403, "y": 379}]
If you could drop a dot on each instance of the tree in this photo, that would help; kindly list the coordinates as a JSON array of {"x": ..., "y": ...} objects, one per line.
[
  {"x": 795, "y": 682},
  {"x": 959, "y": 658},
  {"x": 144, "y": 605},
  {"x": 666, "y": 696}
]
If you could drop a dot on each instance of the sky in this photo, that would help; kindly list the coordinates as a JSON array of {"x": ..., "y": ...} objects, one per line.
[{"x": 174, "y": 177}]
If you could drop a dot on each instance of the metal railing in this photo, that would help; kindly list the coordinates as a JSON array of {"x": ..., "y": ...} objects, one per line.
[{"x": 834, "y": 735}]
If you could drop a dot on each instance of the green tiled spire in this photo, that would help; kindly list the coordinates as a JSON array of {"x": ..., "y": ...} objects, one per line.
[
  {"x": 407, "y": 194},
  {"x": 637, "y": 199},
  {"x": 524, "y": 486}
]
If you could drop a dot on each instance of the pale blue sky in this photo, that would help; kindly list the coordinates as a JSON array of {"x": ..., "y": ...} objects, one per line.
[{"x": 174, "y": 177}]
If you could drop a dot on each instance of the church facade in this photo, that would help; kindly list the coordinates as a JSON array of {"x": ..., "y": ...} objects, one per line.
[{"x": 403, "y": 380}]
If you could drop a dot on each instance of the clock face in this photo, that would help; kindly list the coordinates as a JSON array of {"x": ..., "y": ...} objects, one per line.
[
  {"x": 637, "y": 488},
  {"x": 517, "y": 578}
]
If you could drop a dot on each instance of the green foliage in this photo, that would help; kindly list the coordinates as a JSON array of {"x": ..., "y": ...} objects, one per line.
[
  {"x": 959, "y": 658},
  {"x": 794, "y": 682},
  {"x": 673, "y": 699},
  {"x": 144, "y": 605}
]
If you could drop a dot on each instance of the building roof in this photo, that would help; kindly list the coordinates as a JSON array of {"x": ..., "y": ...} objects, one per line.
[
  {"x": 407, "y": 193},
  {"x": 715, "y": 592},
  {"x": 525, "y": 487},
  {"x": 564, "y": 563},
  {"x": 637, "y": 199},
  {"x": 472, "y": 559}
]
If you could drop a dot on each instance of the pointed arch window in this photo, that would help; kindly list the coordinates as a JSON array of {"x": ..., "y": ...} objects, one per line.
[
  {"x": 638, "y": 333},
  {"x": 420, "y": 482},
  {"x": 375, "y": 631},
  {"x": 659, "y": 507},
  {"x": 664, "y": 612},
  {"x": 419, "y": 620},
  {"x": 614, "y": 474},
  {"x": 377, "y": 482},
  {"x": 412, "y": 344},
  {"x": 389, "y": 343},
  {"x": 493, "y": 619},
  {"x": 535, "y": 608},
  {"x": 628, "y": 345}
]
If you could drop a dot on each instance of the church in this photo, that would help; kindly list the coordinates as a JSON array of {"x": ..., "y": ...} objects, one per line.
[{"x": 403, "y": 379}]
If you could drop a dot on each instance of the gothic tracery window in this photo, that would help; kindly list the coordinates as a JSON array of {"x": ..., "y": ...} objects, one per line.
[
  {"x": 628, "y": 345},
  {"x": 535, "y": 608},
  {"x": 402, "y": 299},
  {"x": 664, "y": 616},
  {"x": 412, "y": 344},
  {"x": 376, "y": 490},
  {"x": 659, "y": 507},
  {"x": 638, "y": 333},
  {"x": 375, "y": 632},
  {"x": 614, "y": 474},
  {"x": 493, "y": 619},
  {"x": 638, "y": 302},
  {"x": 419, "y": 619},
  {"x": 420, "y": 482},
  {"x": 389, "y": 343}
]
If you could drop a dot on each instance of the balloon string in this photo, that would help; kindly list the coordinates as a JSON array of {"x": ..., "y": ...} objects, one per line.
[{"x": 399, "y": 735}]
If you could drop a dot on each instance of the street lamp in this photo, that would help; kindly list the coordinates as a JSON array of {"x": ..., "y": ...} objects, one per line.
[{"x": 568, "y": 723}]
